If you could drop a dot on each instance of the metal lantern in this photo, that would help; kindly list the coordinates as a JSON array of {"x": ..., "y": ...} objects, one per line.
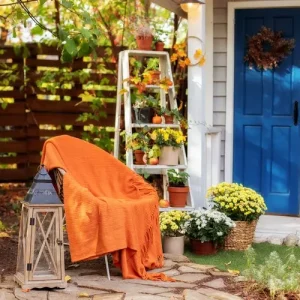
[{"x": 40, "y": 260}]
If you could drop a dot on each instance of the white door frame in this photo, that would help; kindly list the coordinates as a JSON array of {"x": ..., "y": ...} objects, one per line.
[{"x": 232, "y": 6}]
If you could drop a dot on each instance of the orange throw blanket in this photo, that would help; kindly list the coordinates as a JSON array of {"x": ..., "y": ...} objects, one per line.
[{"x": 109, "y": 208}]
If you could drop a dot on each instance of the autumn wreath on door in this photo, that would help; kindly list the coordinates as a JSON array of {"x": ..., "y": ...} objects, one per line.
[{"x": 267, "y": 49}]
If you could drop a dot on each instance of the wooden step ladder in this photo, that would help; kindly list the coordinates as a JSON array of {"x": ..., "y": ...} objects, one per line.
[{"x": 123, "y": 74}]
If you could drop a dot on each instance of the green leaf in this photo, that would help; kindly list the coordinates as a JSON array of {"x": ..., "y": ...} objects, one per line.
[
  {"x": 37, "y": 30},
  {"x": 62, "y": 34},
  {"x": 86, "y": 33},
  {"x": 66, "y": 3},
  {"x": 66, "y": 57},
  {"x": 71, "y": 47},
  {"x": 14, "y": 32},
  {"x": 84, "y": 49},
  {"x": 42, "y": 2}
]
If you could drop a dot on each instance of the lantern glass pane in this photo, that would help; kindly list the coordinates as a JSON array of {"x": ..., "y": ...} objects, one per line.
[
  {"x": 22, "y": 240},
  {"x": 45, "y": 248}
]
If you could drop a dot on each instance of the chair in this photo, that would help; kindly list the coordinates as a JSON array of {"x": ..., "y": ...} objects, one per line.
[{"x": 57, "y": 175}]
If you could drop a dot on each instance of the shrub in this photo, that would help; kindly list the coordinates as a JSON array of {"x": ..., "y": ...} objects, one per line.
[{"x": 276, "y": 275}]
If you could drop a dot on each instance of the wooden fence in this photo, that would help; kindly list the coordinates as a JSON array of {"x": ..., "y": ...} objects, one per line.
[{"x": 37, "y": 113}]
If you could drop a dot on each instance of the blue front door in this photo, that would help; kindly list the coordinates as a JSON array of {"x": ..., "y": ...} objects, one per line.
[{"x": 266, "y": 140}]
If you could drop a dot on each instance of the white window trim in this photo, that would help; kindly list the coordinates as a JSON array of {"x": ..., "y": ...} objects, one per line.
[{"x": 232, "y": 6}]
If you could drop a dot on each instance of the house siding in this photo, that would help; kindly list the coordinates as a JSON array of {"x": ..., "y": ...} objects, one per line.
[{"x": 220, "y": 64}]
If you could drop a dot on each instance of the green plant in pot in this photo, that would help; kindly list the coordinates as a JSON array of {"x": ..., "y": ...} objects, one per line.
[
  {"x": 138, "y": 142},
  {"x": 207, "y": 229},
  {"x": 152, "y": 72},
  {"x": 178, "y": 189}
]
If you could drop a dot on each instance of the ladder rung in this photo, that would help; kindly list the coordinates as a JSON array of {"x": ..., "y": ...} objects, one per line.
[
  {"x": 139, "y": 125},
  {"x": 156, "y": 169},
  {"x": 149, "y": 86},
  {"x": 147, "y": 53},
  {"x": 186, "y": 208}
]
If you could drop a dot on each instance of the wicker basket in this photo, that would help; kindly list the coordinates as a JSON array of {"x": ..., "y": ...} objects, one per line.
[{"x": 241, "y": 236}]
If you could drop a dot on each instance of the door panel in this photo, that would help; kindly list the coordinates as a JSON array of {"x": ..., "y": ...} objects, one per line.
[{"x": 266, "y": 141}]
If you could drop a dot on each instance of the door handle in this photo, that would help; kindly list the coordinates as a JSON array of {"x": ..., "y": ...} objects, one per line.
[{"x": 296, "y": 113}]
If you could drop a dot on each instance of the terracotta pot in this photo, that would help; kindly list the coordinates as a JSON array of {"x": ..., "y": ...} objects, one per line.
[
  {"x": 203, "y": 248},
  {"x": 178, "y": 196},
  {"x": 168, "y": 119},
  {"x": 159, "y": 46},
  {"x": 139, "y": 157},
  {"x": 169, "y": 156},
  {"x": 155, "y": 76},
  {"x": 173, "y": 245},
  {"x": 144, "y": 42}
]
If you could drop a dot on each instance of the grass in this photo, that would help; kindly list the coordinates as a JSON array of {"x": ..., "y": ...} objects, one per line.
[{"x": 235, "y": 260}]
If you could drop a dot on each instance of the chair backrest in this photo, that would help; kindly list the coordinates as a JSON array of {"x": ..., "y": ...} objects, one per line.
[{"x": 57, "y": 176}]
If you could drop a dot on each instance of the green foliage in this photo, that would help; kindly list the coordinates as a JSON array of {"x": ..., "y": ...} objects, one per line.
[
  {"x": 177, "y": 178},
  {"x": 277, "y": 275}
]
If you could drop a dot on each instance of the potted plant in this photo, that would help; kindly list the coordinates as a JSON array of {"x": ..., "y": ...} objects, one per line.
[
  {"x": 178, "y": 191},
  {"x": 159, "y": 38},
  {"x": 138, "y": 142},
  {"x": 143, "y": 107},
  {"x": 244, "y": 206},
  {"x": 206, "y": 229},
  {"x": 152, "y": 70},
  {"x": 143, "y": 34},
  {"x": 172, "y": 229},
  {"x": 167, "y": 116},
  {"x": 170, "y": 141}
]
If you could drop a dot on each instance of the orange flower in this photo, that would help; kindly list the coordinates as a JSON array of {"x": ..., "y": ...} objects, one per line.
[{"x": 174, "y": 57}]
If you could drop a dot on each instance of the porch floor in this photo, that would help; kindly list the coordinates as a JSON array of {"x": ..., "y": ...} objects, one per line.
[{"x": 279, "y": 226}]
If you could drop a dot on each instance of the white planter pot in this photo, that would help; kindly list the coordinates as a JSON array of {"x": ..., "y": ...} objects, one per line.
[
  {"x": 173, "y": 245},
  {"x": 169, "y": 156}
]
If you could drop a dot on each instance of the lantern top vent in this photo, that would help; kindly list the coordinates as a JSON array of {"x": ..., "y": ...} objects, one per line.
[{"x": 42, "y": 190}]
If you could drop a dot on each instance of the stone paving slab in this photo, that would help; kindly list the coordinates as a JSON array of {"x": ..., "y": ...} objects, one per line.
[
  {"x": 164, "y": 284},
  {"x": 114, "y": 296},
  {"x": 172, "y": 296},
  {"x": 214, "y": 294},
  {"x": 169, "y": 263},
  {"x": 6, "y": 295},
  {"x": 199, "y": 267},
  {"x": 176, "y": 258},
  {"x": 31, "y": 295},
  {"x": 194, "y": 295},
  {"x": 144, "y": 297},
  {"x": 216, "y": 284},
  {"x": 186, "y": 269},
  {"x": 123, "y": 286},
  {"x": 191, "y": 277}
]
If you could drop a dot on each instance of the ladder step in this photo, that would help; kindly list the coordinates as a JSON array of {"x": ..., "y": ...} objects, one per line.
[
  {"x": 139, "y": 125},
  {"x": 147, "y": 53},
  {"x": 186, "y": 208},
  {"x": 150, "y": 86},
  {"x": 156, "y": 169}
]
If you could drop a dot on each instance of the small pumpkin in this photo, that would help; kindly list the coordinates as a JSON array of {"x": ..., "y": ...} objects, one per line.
[{"x": 157, "y": 119}]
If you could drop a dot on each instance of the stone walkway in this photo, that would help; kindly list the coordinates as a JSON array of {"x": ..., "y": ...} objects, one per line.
[{"x": 194, "y": 282}]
